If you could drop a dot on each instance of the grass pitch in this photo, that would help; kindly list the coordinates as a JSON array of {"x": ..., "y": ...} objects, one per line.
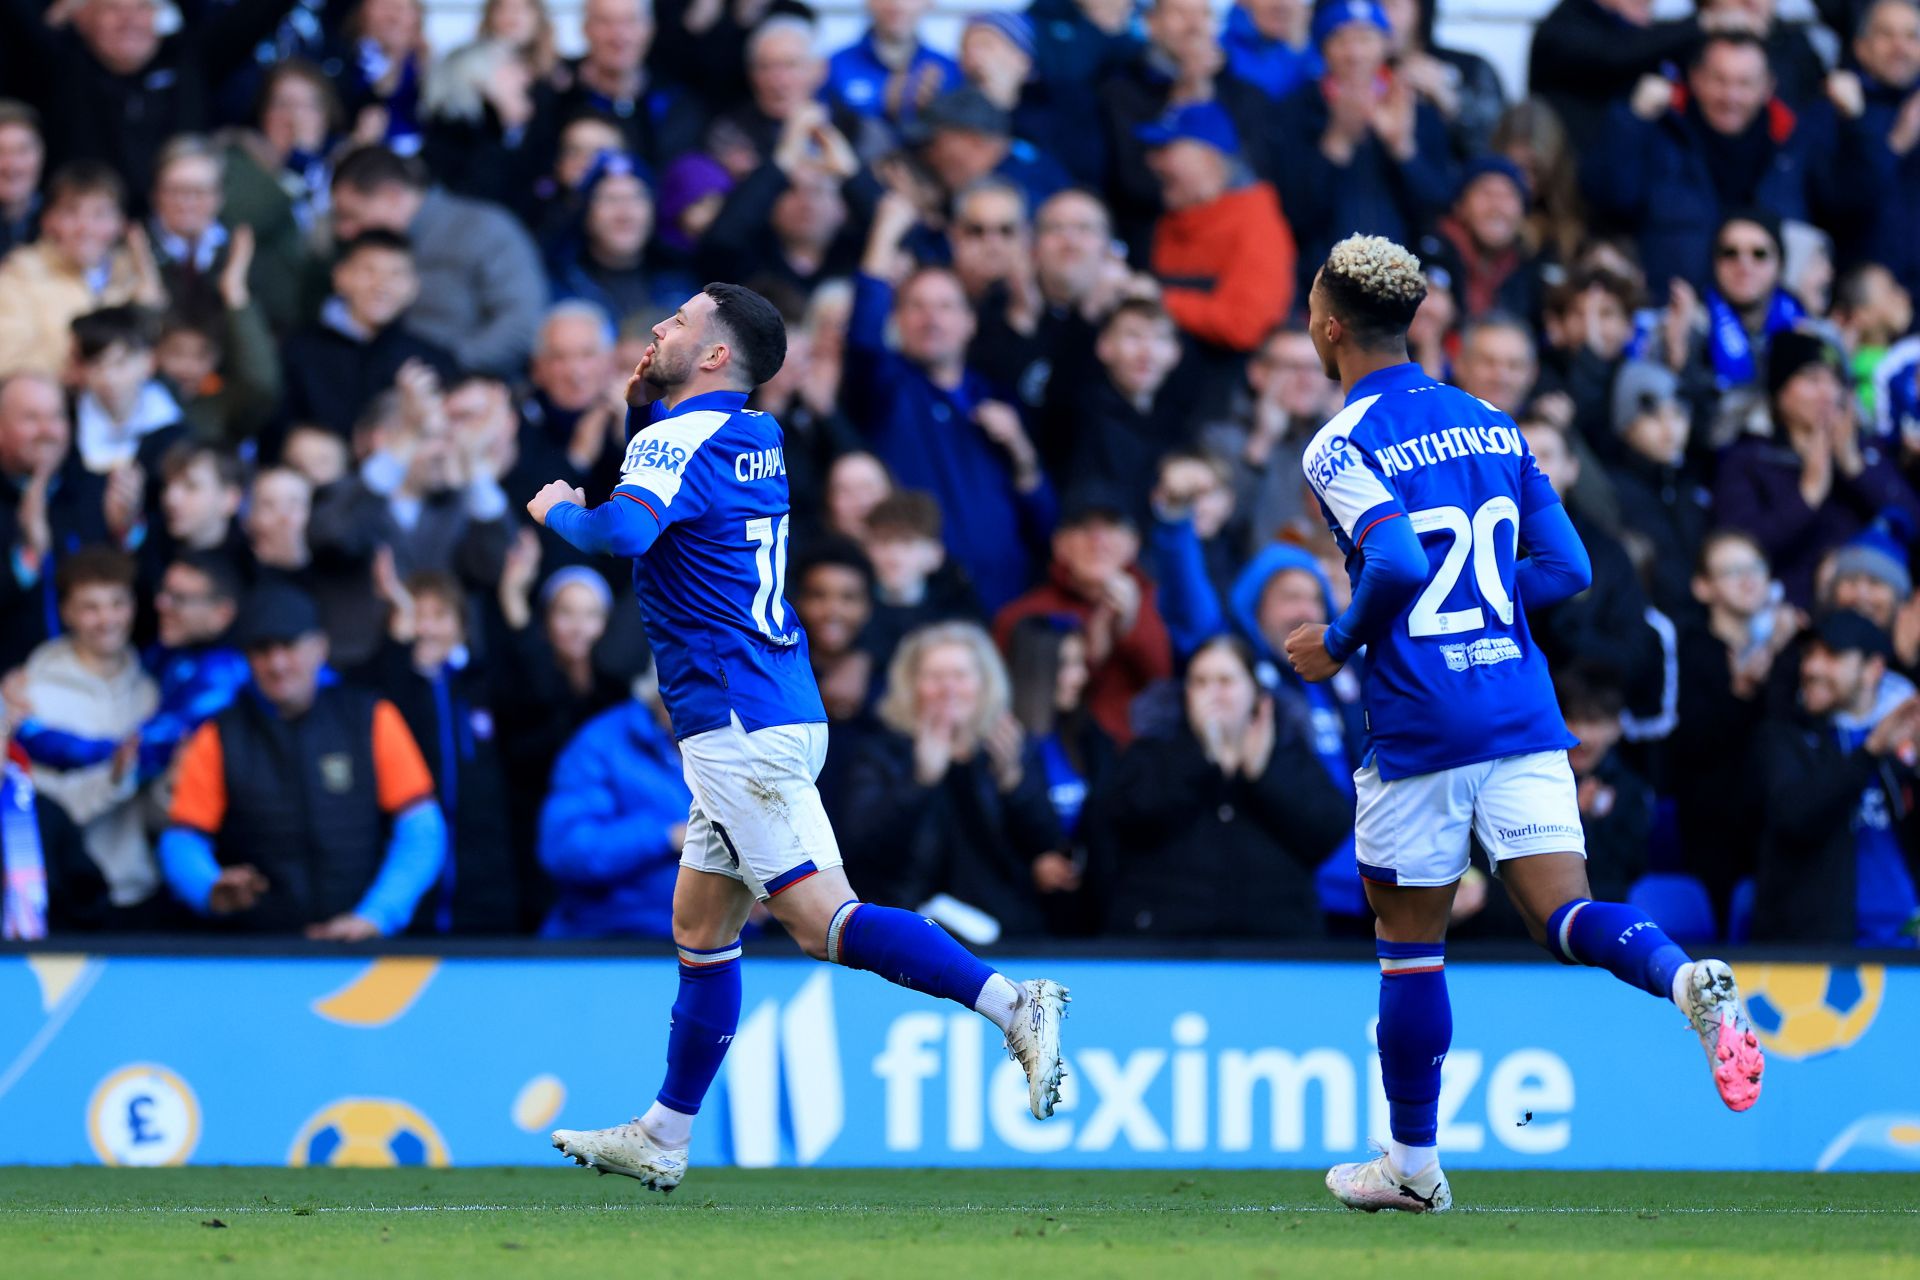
[{"x": 926, "y": 1225}]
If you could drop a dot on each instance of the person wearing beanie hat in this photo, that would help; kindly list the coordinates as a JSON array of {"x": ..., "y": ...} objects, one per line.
[
  {"x": 1871, "y": 576},
  {"x": 603, "y": 259},
  {"x": 1657, "y": 499},
  {"x": 693, "y": 190},
  {"x": 1837, "y": 858},
  {"x": 1482, "y": 242},
  {"x": 997, "y": 58},
  {"x": 1811, "y": 482}
]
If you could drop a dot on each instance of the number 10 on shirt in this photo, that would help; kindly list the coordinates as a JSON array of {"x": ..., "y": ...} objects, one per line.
[{"x": 769, "y": 538}]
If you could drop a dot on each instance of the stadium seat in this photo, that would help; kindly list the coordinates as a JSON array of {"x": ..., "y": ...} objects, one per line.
[
  {"x": 1740, "y": 911},
  {"x": 1678, "y": 904}
]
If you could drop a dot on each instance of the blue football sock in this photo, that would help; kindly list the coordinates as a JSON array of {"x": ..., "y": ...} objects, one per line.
[
  {"x": 907, "y": 950},
  {"x": 1619, "y": 939},
  {"x": 705, "y": 1015},
  {"x": 1416, "y": 1026}
]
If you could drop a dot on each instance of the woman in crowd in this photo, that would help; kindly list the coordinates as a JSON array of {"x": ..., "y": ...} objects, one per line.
[
  {"x": 1218, "y": 828},
  {"x": 948, "y": 812}
]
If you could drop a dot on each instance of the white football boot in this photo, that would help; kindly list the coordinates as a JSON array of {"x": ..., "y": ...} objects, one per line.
[
  {"x": 626, "y": 1149},
  {"x": 1711, "y": 1001},
  {"x": 1373, "y": 1185},
  {"x": 1033, "y": 1041}
]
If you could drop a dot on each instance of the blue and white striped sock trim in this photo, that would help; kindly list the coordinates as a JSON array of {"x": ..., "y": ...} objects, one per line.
[
  {"x": 1563, "y": 938},
  {"x": 697, "y": 959},
  {"x": 838, "y": 924},
  {"x": 1400, "y": 959}
]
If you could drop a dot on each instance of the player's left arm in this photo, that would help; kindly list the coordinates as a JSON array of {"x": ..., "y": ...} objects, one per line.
[
  {"x": 1393, "y": 567},
  {"x": 622, "y": 526},
  {"x": 665, "y": 478},
  {"x": 1556, "y": 566}
]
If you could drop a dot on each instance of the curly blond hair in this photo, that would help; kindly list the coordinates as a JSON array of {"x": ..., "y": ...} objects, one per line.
[{"x": 1373, "y": 286}]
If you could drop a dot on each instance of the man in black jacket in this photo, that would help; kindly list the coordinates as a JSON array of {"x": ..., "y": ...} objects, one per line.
[
  {"x": 111, "y": 89},
  {"x": 1837, "y": 853}
]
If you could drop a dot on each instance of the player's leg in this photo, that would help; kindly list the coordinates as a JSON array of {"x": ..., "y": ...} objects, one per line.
[
  {"x": 1528, "y": 819},
  {"x": 1410, "y": 837},
  {"x": 760, "y": 790},
  {"x": 710, "y": 904}
]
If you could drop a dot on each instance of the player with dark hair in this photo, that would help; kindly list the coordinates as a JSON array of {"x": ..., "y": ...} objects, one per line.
[
  {"x": 1434, "y": 496},
  {"x": 702, "y": 508}
]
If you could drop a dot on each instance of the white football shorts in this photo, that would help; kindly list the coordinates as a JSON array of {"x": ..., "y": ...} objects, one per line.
[
  {"x": 756, "y": 815},
  {"x": 1413, "y": 831}
]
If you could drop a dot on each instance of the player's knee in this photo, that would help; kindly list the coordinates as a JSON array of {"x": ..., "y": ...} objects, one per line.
[{"x": 698, "y": 931}]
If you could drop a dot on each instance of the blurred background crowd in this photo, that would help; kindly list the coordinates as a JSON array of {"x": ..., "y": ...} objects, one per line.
[{"x": 297, "y": 311}]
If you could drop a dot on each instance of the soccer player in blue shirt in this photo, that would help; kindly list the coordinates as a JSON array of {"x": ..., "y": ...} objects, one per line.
[
  {"x": 701, "y": 507},
  {"x": 1434, "y": 496}
]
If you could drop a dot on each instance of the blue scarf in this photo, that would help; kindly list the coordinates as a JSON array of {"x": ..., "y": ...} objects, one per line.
[
  {"x": 1727, "y": 341},
  {"x": 25, "y": 916}
]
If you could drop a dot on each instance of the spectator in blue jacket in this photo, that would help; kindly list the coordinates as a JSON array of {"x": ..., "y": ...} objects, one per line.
[
  {"x": 1267, "y": 45},
  {"x": 1888, "y": 51},
  {"x": 1677, "y": 158},
  {"x": 1359, "y": 151},
  {"x": 613, "y": 823},
  {"x": 936, "y": 423},
  {"x": 889, "y": 74}
]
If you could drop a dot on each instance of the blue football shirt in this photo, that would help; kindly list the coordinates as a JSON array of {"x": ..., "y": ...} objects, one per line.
[
  {"x": 712, "y": 587},
  {"x": 1456, "y": 679}
]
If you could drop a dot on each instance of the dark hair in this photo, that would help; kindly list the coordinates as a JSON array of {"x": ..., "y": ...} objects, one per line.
[
  {"x": 753, "y": 328},
  {"x": 1145, "y": 308},
  {"x": 301, "y": 69},
  {"x": 1234, "y": 645},
  {"x": 1565, "y": 296},
  {"x": 442, "y": 586},
  {"x": 226, "y": 466},
  {"x": 201, "y": 323},
  {"x": 93, "y": 566},
  {"x": 14, "y": 111},
  {"x": 1738, "y": 39},
  {"x": 1589, "y": 691},
  {"x": 374, "y": 238},
  {"x": 97, "y": 331},
  {"x": 832, "y": 553},
  {"x": 368, "y": 168},
  {"x": 79, "y": 178},
  {"x": 1719, "y": 538},
  {"x": 1850, "y": 291},
  {"x": 219, "y": 571},
  {"x": 1033, "y": 669},
  {"x": 911, "y": 512}
]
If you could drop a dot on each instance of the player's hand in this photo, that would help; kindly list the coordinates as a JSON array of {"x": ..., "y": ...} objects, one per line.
[
  {"x": 1307, "y": 651},
  {"x": 556, "y": 492},
  {"x": 237, "y": 889},
  {"x": 344, "y": 928}
]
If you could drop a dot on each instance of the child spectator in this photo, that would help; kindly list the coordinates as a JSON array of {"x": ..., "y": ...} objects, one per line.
[
  {"x": 915, "y": 584},
  {"x": 1106, "y": 399},
  {"x": 87, "y": 684},
  {"x": 75, "y": 267},
  {"x": 1096, "y": 579},
  {"x": 223, "y": 367},
  {"x": 200, "y": 499},
  {"x": 124, "y": 414},
  {"x": 428, "y": 671},
  {"x": 336, "y": 367}
]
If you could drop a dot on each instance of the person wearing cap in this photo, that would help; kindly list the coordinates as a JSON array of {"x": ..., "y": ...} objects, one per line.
[
  {"x": 1656, "y": 497},
  {"x": 355, "y": 350},
  {"x": 1809, "y": 482},
  {"x": 1222, "y": 252},
  {"x": 1360, "y": 150},
  {"x": 481, "y": 287},
  {"x": 1839, "y": 847},
  {"x": 1675, "y": 159},
  {"x": 963, "y": 138},
  {"x": 1181, "y": 65},
  {"x": 889, "y": 73},
  {"x": 1482, "y": 243},
  {"x": 306, "y": 806},
  {"x": 1095, "y": 577}
]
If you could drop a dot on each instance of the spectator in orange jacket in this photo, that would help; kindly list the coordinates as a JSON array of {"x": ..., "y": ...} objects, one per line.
[
  {"x": 1095, "y": 580},
  {"x": 1222, "y": 252}
]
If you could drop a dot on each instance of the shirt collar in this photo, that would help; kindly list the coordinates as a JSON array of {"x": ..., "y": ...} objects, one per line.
[
  {"x": 725, "y": 401},
  {"x": 1395, "y": 377}
]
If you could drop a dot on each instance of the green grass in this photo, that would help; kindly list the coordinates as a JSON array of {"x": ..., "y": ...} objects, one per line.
[{"x": 472, "y": 1224}]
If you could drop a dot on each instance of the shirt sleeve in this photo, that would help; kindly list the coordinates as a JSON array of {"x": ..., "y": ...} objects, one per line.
[
  {"x": 1348, "y": 481},
  {"x": 200, "y": 794},
  {"x": 1536, "y": 491},
  {"x": 668, "y": 467},
  {"x": 400, "y": 771}
]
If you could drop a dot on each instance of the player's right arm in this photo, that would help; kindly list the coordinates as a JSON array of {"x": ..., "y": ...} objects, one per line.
[{"x": 1393, "y": 565}]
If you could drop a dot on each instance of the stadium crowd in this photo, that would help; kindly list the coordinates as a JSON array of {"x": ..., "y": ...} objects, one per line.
[{"x": 296, "y": 313}]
